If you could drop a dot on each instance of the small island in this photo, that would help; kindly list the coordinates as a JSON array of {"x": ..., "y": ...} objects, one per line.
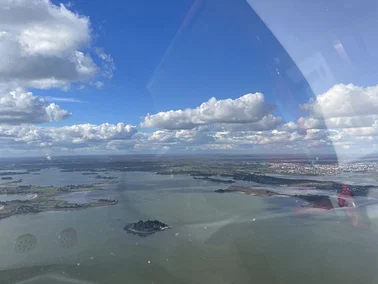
[{"x": 145, "y": 228}]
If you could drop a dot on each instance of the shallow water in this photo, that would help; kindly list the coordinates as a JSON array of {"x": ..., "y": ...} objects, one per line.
[
  {"x": 215, "y": 238},
  {"x": 54, "y": 177}
]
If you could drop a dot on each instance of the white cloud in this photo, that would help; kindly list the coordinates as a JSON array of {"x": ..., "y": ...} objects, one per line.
[
  {"x": 262, "y": 137},
  {"x": 43, "y": 28},
  {"x": 241, "y": 125},
  {"x": 98, "y": 84},
  {"x": 347, "y": 115},
  {"x": 362, "y": 140},
  {"x": 344, "y": 101},
  {"x": 198, "y": 136},
  {"x": 289, "y": 127},
  {"x": 42, "y": 45},
  {"x": 249, "y": 108},
  {"x": 107, "y": 60},
  {"x": 350, "y": 118},
  {"x": 120, "y": 145},
  {"x": 337, "y": 122},
  {"x": 268, "y": 122},
  {"x": 360, "y": 131},
  {"x": 22, "y": 107},
  {"x": 203, "y": 138},
  {"x": 75, "y": 136},
  {"x": 91, "y": 133},
  {"x": 316, "y": 134}
]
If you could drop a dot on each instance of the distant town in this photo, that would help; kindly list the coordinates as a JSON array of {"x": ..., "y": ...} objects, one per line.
[{"x": 322, "y": 169}]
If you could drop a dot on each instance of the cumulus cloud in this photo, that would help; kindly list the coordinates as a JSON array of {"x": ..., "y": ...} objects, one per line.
[
  {"x": 98, "y": 84},
  {"x": 363, "y": 140},
  {"x": 342, "y": 106},
  {"x": 81, "y": 135},
  {"x": 268, "y": 122},
  {"x": 192, "y": 136},
  {"x": 316, "y": 134},
  {"x": 344, "y": 101},
  {"x": 203, "y": 138},
  {"x": 337, "y": 122},
  {"x": 92, "y": 132},
  {"x": 42, "y": 45},
  {"x": 259, "y": 137},
  {"x": 22, "y": 107},
  {"x": 347, "y": 115},
  {"x": 120, "y": 145},
  {"x": 352, "y": 133},
  {"x": 107, "y": 62},
  {"x": 350, "y": 122},
  {"x": 289, "y": 127},
  {"x": 249, "y": 108},
  {"x": 275, "y": 141}
]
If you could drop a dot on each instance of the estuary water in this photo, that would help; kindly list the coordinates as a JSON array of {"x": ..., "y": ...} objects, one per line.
[{"x": 215, "y": 238}]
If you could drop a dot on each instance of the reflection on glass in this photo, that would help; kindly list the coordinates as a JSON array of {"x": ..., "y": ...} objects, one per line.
[
  {"x": 25, "y": 243},
  {"x": 236, "y": 142},
  {"x": 53, "y": 278},
  {"x": 68, "y": 238}
]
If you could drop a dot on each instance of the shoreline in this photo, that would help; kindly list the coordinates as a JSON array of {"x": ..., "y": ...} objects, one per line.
[
  {"x": 68, "y": 207},
  {"x": 44, "y": 199}
]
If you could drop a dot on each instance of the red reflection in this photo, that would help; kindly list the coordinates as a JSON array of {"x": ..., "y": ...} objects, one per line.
[{"x": 344, "y": 200}]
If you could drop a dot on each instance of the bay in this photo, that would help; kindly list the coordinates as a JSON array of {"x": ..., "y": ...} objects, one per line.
[{"x": 215, "y": 238}]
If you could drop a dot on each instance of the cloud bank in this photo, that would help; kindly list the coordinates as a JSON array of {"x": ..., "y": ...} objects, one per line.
[
  {"x": 250, "y": 108},
  {"x": 44, "y": 46},
  {"x": 20, "y": 107}
]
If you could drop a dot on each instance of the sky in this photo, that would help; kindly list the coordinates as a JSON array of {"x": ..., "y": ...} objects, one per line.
[{"x": 188, "y": 77}]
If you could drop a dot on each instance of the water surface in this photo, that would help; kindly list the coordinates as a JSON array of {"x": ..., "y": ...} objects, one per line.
[{"x": 215, "y": 238}]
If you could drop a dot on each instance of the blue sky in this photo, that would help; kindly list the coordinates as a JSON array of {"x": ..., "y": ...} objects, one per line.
[
  {"x": 224, "y": 50},
  {"x": 188, "y": 76}
]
